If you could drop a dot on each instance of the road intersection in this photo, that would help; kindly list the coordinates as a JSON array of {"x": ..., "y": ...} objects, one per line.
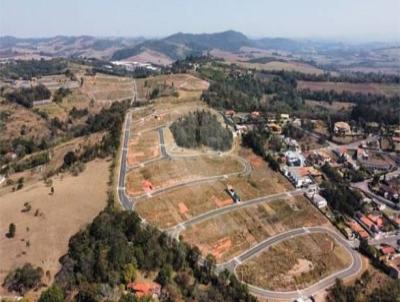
[{"x": 128, "y": 203}]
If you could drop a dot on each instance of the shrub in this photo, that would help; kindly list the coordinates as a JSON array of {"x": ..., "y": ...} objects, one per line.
[
  {"x": 11, "y": 230},
  {"x": 23, "y": 279}
]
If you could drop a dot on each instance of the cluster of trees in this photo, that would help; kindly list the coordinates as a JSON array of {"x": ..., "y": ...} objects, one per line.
[
  {"x": 358, "y": 292},
  {"x": 33, "y": 68},
  {"x": 109, "y": 251},
  {"x": 61, "y": 93},
  {"x": 35, "y": 160},
  {"x": 239, "y": 92},
  {"x": 338, "y": 194},
  {"x": 26, "y": 96},
  {"x": 369, "y": 107},
  {"x": 78, "y": 113},
  {"x": 23, "y": 279},
  {"x": 201, "y": 128},
  {"x": 257, "y": 140}
]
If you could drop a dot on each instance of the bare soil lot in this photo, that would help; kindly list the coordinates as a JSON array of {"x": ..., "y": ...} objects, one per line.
[
  {"x": 42, "y": 234},
  {"x": 176, "y": 206},
  {"x": 165, "y": 173},
  {"x": 295, "y": 263},
  {"x": 230, "y": 234}
]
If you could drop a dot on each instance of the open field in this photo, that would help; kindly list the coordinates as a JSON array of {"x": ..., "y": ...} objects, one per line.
[
  {"x": 230, "y": 234},
  {"x": 166, "y": 173},
  {"x": 56, "y": 160},
  {"x": 373, "y": 88},
  {"x": 142, "y": 147},
  {"x": 295, "y": 263},
  {"x": 42, "y": 234},
  {"x": 278, "y": 65},
  {"x": 332, "y": 107}
]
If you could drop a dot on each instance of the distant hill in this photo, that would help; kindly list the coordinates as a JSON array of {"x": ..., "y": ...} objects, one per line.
[
  {"x": 180, "y": 45},
  {"x": 64, "y": 46}
]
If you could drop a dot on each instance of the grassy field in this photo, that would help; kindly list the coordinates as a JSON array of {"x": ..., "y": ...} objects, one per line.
[
  {"x": 295, "y": 263},
  {"x": 288, "y": 66},
  {"x": 373, "y": 88},
  {"x": 332, "y": 107},
  {"x": 166, "y": 173},
  {"x": 42, "y": 234},
  {"x": 142, "y": 147},
  {"x": 230, "y": 234}
]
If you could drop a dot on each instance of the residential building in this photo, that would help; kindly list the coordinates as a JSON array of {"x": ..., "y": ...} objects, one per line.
[
  {"x": 145, "y": 289},
  {"x": 299, "y": 176},
  {"x": 342, "y": 128}
]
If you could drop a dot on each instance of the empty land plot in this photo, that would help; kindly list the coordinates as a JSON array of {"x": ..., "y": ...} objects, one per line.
[
  {"x": 108, "y": 88},
  {"x": 230, "y": 234},
  {"x": 179, "y": 81},
  {"x": 262, "y": 180},
  {"x": 372, "y": 88},
  {"x": 42, "y": 238},
  {"x": 176, "y": 206},
  {"x": 295, "y": 263},
  {"x": 330, "y": 106},
  {"x": 165, "y": 173},
  {"x": 142, "y": 147}
]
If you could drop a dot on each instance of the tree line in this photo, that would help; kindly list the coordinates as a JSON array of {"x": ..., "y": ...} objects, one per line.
[
  {"x": 106, "y": 254},
  {"x": 26, "y": 96}
]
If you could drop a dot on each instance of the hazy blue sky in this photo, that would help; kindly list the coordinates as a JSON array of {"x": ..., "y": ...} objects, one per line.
[{"x": 369, "y": 19}]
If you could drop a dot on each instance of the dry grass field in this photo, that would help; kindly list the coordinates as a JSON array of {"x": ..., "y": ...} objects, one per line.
[
  {"x": 105, "y": 88},
  {"x": 373, "y": 88},
  {"x": 56, "y": 160},
  {"x": 21, "y": 122},
  {"x": 142, "y": 147},
  {"x": 42, "y": 234},
  {"x": 230, "y": 234},
  {"x": 295, "y": 263},
  {"x": 287, "y": 66},
  {"x": 165, "y": 173},
  {"x": 332, "y": 107}
]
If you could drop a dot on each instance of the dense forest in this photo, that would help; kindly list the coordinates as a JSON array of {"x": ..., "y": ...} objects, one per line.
[
  {"x": 115, "y": 247},
  {"x": 201, "y": 128},
  {"x": 26, "y": 96}
]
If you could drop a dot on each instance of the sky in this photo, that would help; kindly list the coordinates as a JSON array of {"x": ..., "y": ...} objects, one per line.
[{"x": 326, "y": 19}]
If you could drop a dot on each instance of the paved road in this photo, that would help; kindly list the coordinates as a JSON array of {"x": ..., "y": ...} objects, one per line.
[
  {"x": 127, "y": 204},
  {"x": 352, "y": 270},
  {"x": 174, "y": 231},
  {"x": 123, "y": 198}
]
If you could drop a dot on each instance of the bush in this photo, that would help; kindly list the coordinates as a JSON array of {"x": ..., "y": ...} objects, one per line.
[
  {"x": 23, "y": 279},
  {"x": 70, "y": 158},
  {"x": 11, "y": 230},
  {"x": 52, "y": 294}
]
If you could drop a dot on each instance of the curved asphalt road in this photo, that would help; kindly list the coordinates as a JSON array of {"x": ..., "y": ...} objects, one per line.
[
  {"x": 231, "y": 265},
  {"x": 352, "y": 270},
  {"x": 175, "y": 231}
]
